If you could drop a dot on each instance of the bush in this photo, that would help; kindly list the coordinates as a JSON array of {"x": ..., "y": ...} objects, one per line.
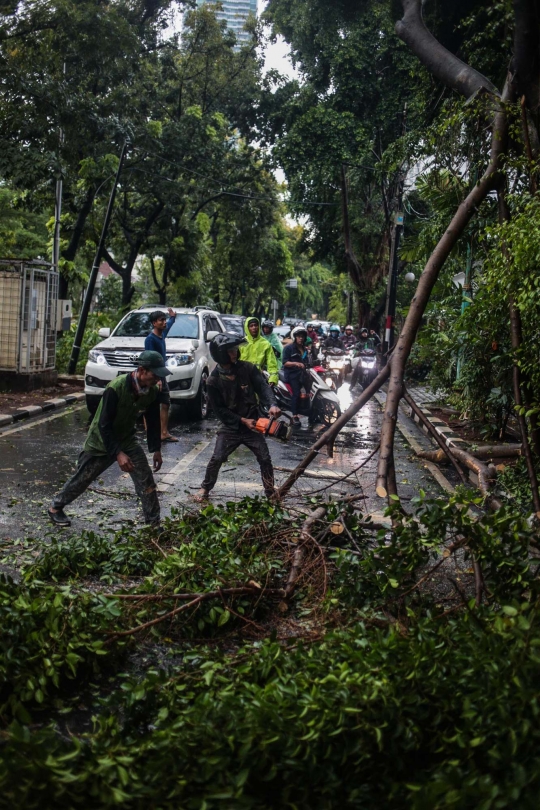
[{"x": 65, "y": 345}]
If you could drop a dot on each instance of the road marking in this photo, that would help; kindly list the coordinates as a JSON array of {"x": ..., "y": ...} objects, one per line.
[
  {"x": 36, "y": 422},
  {"x": 173, "y": 475}
]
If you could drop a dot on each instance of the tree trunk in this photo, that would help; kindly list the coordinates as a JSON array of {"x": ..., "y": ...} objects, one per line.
[
  {"x": 124, "y": 272},
  {"x": 71, "y": 251},
  {"x": 461, "y": 219}
]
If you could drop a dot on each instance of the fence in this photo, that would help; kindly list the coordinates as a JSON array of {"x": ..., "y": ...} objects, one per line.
[{"x": 28, "y": 293}]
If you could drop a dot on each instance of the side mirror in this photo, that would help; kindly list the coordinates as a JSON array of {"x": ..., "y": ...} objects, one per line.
[
  {"x": 104, "y": 332},
  {"x": 211, "y": 335},
  {"x": 195, "y": 344}
]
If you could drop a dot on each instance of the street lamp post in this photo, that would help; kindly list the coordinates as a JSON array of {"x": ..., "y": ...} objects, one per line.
[{"x": 464, "y": 280}]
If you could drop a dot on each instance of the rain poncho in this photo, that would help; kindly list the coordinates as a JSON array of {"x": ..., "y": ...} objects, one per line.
[
  {"x": 259, "y": 352},
  {"x": 276, "y": 344}
]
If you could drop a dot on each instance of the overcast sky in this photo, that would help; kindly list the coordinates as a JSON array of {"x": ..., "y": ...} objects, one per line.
[{"x": 277, "y": 54}]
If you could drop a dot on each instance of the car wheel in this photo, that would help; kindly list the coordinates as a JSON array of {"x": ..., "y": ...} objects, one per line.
[
  {"x": 92, "y": 403},
  {"x": 199, "y": 408}
]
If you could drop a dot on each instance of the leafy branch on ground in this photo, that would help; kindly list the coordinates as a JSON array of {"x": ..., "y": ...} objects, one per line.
[{"x": 383, "y": 690}]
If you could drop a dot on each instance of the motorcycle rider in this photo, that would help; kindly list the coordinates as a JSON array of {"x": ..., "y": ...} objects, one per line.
[
  {"x": 295, "y": 361},
  {"x": 375, "y": 338},
  {"x": 348, "y": 338},
  {"x": 365, "y": 344},
  {"x": 235, "y": 389},
  {"x": 258, "y": 351},
  {"x": 268, "y": 333},
  {"x": 312, "y": 330},
  {"x": 333, "y": 341}
]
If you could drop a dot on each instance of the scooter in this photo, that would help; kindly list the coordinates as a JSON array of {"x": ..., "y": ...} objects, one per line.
[
  {"x": 366, "y": 369},
  {"x": 320, "y": 403},
  {"x": 337, "y": 365}
]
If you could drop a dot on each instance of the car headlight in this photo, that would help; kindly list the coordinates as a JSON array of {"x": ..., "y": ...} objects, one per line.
[
  {"x": 95, "y": 356},
  {"x": 175, "y": 360}
]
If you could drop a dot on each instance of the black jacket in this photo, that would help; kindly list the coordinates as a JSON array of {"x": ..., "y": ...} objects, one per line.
[
  {"x": 333, "y": 343},
  {"x": 237, "y": 395}
]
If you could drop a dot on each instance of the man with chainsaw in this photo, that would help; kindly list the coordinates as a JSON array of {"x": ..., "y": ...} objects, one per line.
[
  {"x": 257, "y": 350},
  {"x": 236, "y": 389}
]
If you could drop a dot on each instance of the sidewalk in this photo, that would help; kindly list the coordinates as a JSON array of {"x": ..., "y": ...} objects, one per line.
[{"x": 19, "y": 405}]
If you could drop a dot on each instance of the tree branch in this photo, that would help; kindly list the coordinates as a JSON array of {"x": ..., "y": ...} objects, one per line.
[{"x": 443, "y": 64}]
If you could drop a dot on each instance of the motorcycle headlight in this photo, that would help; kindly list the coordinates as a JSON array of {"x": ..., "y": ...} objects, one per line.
[
  {"x": 95, "y": 356},
  {"x": 329, "y": 381},
  {"x": 175, "y": 360}
]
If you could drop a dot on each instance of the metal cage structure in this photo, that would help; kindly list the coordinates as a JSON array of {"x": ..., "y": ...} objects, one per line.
[{"x": 28, "y": 293}]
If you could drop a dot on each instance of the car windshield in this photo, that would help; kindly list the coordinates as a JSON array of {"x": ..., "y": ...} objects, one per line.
[
  {"x": 232, "y": 324},
  {"x": 137, "y": 324}
]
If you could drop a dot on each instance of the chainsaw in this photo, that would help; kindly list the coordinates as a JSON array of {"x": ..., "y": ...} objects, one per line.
[{"x": 276, "y": 427}]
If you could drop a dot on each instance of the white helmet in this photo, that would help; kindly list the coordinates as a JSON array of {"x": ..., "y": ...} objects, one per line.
[{"x": 298, "y": 330}]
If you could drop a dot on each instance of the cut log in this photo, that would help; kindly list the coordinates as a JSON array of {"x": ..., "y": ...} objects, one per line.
[{"x": 298, "y": 556}]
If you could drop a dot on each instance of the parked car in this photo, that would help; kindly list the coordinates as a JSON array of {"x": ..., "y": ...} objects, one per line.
[
  {"x": 188, "y": 356},
  {"x": 282, "y": 331},
  {"x": 233, "y": 323},
  {"x": 326, "y": 326}
]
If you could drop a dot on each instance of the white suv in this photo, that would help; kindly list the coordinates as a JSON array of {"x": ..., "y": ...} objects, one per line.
[{"x": 188, "y": 356}]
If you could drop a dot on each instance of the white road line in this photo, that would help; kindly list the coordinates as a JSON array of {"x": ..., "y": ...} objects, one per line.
[
  {"x": 29, "y": 425},
  {"x": 173, "y": 475}
]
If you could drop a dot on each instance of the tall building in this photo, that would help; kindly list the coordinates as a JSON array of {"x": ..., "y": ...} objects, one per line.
[{"x": 235, "y": 14}]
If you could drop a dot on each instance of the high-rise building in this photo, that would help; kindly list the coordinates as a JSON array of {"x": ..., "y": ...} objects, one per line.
[{"x": 235, "y": 14}]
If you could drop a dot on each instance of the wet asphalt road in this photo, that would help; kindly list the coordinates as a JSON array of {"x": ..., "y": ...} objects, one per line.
[{"x": 37, "y": 458}]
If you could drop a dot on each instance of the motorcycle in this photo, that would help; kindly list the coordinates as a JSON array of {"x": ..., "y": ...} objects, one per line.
[
  {"x": 337, "y": 365},
  {"x": 366, "y": 369},
  {"x": 319, "y": 403}
]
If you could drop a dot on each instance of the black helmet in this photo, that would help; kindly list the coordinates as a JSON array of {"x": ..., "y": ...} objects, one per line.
[
  {"x": 268, "y": 324},
  {"x": 364, "y": 329},
  {"x": 220, "y": 345}
]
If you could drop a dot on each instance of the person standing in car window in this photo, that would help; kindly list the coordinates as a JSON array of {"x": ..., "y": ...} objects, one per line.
[{"x": 155, "y": 342}]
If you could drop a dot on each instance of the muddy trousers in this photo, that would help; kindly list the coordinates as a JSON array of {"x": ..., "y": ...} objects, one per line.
[
  {"x": 226, "y": 443},
  {"x": 91, "y": 467}
]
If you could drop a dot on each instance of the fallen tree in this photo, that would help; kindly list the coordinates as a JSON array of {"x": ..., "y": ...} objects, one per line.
[{"x": 467, "y": 81}]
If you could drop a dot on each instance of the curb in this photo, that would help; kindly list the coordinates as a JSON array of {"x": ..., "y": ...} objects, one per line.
[
  {"x": 37, "y": 410},
  {"x": 446, "y": 433}
]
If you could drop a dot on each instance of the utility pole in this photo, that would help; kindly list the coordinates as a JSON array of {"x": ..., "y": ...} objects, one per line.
[
  {"x": 58, "y": 201},
  {"x": 391, "y": 289},
  {"x": 81, "y": 326}
]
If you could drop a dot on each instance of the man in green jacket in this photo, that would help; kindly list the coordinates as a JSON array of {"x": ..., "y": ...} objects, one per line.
[
  {"x": 258, "y": 351},
  {"x": 111, "y": 438}
]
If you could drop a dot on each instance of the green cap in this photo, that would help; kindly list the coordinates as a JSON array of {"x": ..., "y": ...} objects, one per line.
[{"x": 153, "y": 361}]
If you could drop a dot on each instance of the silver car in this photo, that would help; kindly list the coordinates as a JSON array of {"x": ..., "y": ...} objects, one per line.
[{"x": 188, "y": 356}]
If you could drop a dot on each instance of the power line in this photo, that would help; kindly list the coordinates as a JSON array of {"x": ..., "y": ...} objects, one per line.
[{"x": 220, "y": 183}]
